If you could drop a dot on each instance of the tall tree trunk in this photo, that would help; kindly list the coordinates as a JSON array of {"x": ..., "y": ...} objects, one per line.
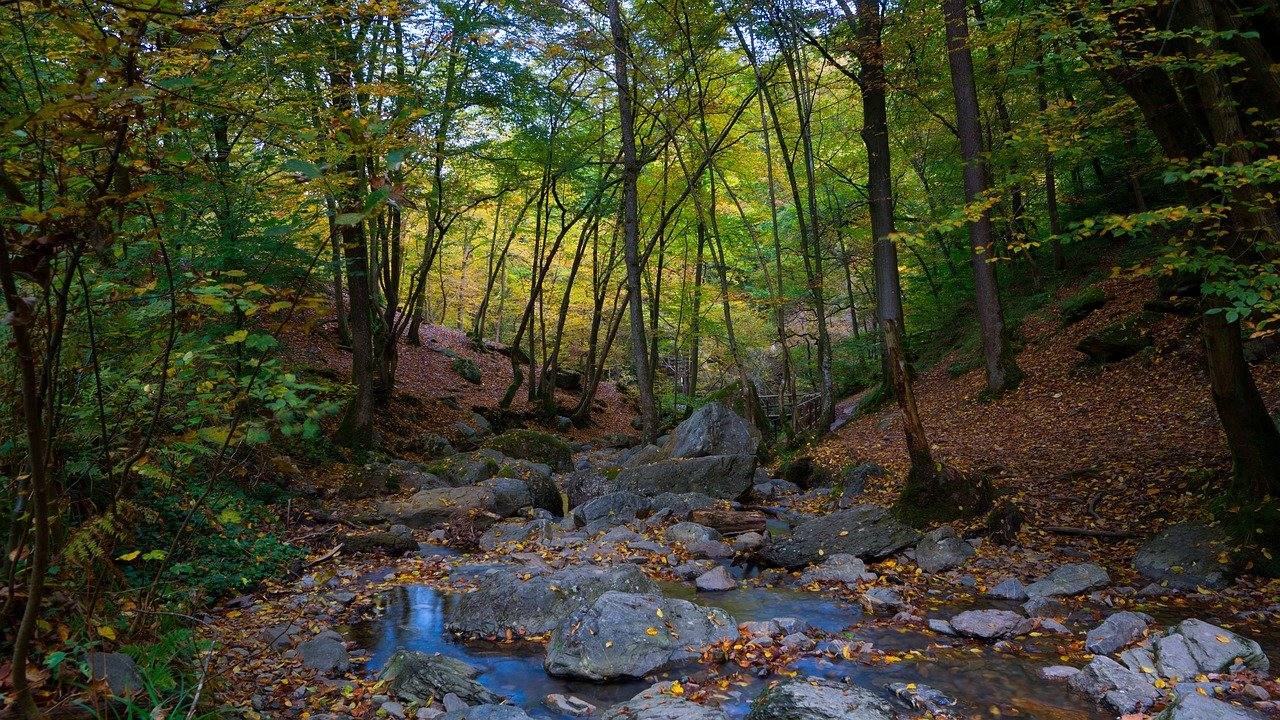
[
  {"x": 356, "y": 429},
  {"x": 1002, "y": 372},
  {"x": 1050, "y": 174},
  {"x": 630, "y": 224}
]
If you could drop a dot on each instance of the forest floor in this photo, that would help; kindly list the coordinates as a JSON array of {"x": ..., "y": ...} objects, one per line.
[{"x": 1126, "y": 448}]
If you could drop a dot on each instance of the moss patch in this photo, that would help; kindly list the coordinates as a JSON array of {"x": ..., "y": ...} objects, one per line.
[{"x": 533, "y": 445}]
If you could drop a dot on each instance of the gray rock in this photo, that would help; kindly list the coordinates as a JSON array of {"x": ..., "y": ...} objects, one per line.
[
  {"x": 1117, "y": 631},
  {"x": 426, "y": 508},
  {"x": 486, "y": 712},
  {"x": 1120, "y": 688},
  {"x": 866, "y": 531},
  {"x": 505, "y": 532},
  {"x": 1187, "y": 556},
  {"x": 721, "y": 476},
  {"x": 419, "y": 678},
  {"x": 1058, "y": 673},
  {"x": 941, "y": 626},
  {"x": 919, "y": 696},
  {"x": 773, "y": 488},
  {"x": 941, "y": 550},
  {"x": 433, "y": 446},
  {"x": 326, "y": 652},
  {"x": 657, "y": 703},
  {"x": 854, "y": 477},
  {"x": 606, "y": 511},
  {"x": 584, "y": 484},
  {"x": 1173, "y": 657},
  {"x": 693, "y": 568},
  {"x": 1216, "y": 649},
  {"x": 503, "y": 601},
  {"x": 1072, "y": 579},
  {"x": 991, "y": 624},
  {"x": 714, "y": 430},
  {"x": 842, "y": 568},
  {"x": 622, "y": 635},
  {"x": 748, "y": 541},
  {"x": 680, "y": 505},
  {"x": 118, "y": 670},
  {"x": 713, "y": 549},
  {"x": 1008, "y": 589},
  {"x": 1194, "y": 706},
  {"x": 819, "y": 699},
  {"x": 883, "y": 597},
  {"x": 509, "y": 495},
  {"x": 715, "y": 580},
  {"x": 688, "y": 533},
  {"x": 1044, "y": 607}
]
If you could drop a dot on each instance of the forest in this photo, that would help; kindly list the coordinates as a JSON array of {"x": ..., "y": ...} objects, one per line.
[{"x": 640, "y": 359}]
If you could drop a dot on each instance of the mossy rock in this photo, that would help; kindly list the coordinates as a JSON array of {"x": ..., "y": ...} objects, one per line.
[
  {"x": 466, "y": 369},
  {"x": 1119, "y": 340},
  {"x": 534, "y": 445},
  {"x": 1078, "y": 306}
]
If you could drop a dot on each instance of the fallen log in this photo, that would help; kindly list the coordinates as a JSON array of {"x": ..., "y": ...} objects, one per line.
[
  {"x": 729, "y": 521},
  {"x": 1088, "y": 532}
]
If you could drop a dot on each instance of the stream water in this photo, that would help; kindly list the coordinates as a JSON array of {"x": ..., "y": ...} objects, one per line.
[{"x": 985, "y": 684}]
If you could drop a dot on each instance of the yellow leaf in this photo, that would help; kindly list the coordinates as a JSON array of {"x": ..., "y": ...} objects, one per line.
[
  {"x": 236, "y": 337},
  {"x": 608, "y": 643},
  {"x": 130, "y": 555},
  {"x": 107, "y": 632},
  {"x": 677, "y": 688},
  {"x": 1222, "y": 639},
  {"x": 651, "y": 631}
]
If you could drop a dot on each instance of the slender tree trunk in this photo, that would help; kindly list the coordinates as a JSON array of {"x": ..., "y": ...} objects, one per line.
[
  {"x": 1002, "y": 372},
  {"x": 1050, "y": 174},
  {"x": 630, "y": 224}
]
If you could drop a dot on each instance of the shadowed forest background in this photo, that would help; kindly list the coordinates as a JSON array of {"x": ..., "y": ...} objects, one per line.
[{"x": 1003, "y": 267}]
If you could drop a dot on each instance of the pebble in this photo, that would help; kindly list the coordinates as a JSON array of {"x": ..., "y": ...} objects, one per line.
[{"x": 393, "y": 708}]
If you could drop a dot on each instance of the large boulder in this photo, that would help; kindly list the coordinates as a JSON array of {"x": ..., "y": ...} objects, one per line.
[
  {"x": 427, "y": 508},
  {"x": 609, "y": 510},
  {"x": 511, "y": 531},
  {"x": 586, "y": 484},
  {"x": 1187, "y": 556},
  {"x": 540, "y": 480},
  {"x": 714, "y": 430},
  {"x": 865, "y": 531},
  {"x": 818, "y": 699},
  {"x": 628, "y": 635},
  {"x": 509, "y": 495},
  {"x": 720, "y": 476},
  {"x": 1194, "y": 706},
  {"x": 501, "y": 600},
  {"x": 839, "y": 568},
  {"x": 536, "y": 446},
  {"x": 1118, "y": 687},
  {"x": 422, "y": 678},
  {"x": 1216, "y": 649},
  {"x": 658, "y": 703},
  {"x": 1117, "y": 631},
  {"x": 942, "y": 549},
  {"x": 466, "y": 468},
  {"x": 1070, "y": 579},
  {"x": 991, "y": 624}
]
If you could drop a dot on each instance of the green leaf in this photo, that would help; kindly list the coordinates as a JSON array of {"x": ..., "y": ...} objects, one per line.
[
  {"x": 349, "y": 219},
  {"x": 155, "y": 555},
  {"x": 311, "y": 171},
  {"x": 230, "y": 517}
]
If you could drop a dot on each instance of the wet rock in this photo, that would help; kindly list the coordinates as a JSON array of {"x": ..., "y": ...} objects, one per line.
[
  {"x": 842, "y": 568},
  {"x": 693, "y": 568},
  {"x": 624, "y": 635},
  {"x": 680, "y": 505},
  {"x": 1187, "y": 556},
  {"x": 941, "y": 626},
  {"x": 398, "y": 539},
  {"x": 1008, "y": 589},
  {"x": 433, "y": 446},
  {"x": 391, "y": 708},
  {"x": 569, "y": 705},
  {"x": 118, "y": 670},
  {"x": 798, "y": 641},
  {"x": 1120, "y": 688},
  {"x": 721, "y": 476},
  {"x": 1117, "y": 631},
  {"x": 1215, "y": 649},
  {"x": 883, "y": 597},
  {"x": 712, "y": 549},
  {"x": 585, "y": 484},
  {"x": 486, "y": 712},
  {"x": 326, "y": 652},
  {"x": 502, "y": 600},
  {"x": 426, "y": 508},
  {"x": 818, "y": 699},
  {"x": 1072, "y": 579},
  {"x": 941, "y": 550},
  {"x": 773, "y": 488},
  {"x": 420, "y": 678},
  {"x": 867, "y": 531},
  {"x": 853, "y": 478},
  {"x": 919, "y": 696},
  {"x": 473, "y": 429},
  {"x": 716, "y": 580},
  {"x": 688, "y": 533},
  {"x": 1194, "y": 706},
  {"x": 1044, "y": 607},
  {"x": 657, "y": 703},
  {"x": 714, "y": 430},
  {"x": 1058, "y": 673},
  {"x": 991, "y": 624}
]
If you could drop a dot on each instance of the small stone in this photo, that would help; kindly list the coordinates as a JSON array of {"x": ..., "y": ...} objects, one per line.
[
  {"x": 991, "y": 624},
  {"x": 716, "y": 580},
  {"x": 453, "y": 703},
  {"x": 882, "y": 597},
  {"x": 1117, "y": 631},
  {"x": 393, "y": 709},
  {"x": 941, "y": 626},
  {"x": 1059, "y": 673},
  {"x": 1009, "y": 589}
]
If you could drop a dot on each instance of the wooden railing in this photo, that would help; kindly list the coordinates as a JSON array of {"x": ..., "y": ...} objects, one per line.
[{"x": 808, "y": 408}]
